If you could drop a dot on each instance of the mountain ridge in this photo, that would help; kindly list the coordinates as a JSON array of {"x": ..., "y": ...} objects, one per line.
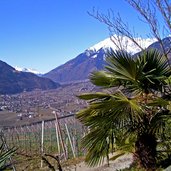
[
  {"x": 80, "y": 67},
  {"x": 81, "y": 63},
  {"x": 34, "y": 71},
  {"x": 127, "y": 44},
  {"x": 13, "y": 81}
]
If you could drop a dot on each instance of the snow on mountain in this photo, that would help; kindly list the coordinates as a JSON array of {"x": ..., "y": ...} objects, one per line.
[
  {"x": 93, "y": 59},
  {"x": 127, "y": 44},
  {"x": 28, "y": 70}
]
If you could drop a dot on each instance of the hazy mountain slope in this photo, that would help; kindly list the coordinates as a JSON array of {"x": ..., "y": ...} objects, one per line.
[
  {"x": 13, "y": 81},
  {"x": 78, "y": 68},
  {"x": 167, "y": 45}
]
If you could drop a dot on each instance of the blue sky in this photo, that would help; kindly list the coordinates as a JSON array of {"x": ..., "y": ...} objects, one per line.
[{"x": 43, "y": 34}]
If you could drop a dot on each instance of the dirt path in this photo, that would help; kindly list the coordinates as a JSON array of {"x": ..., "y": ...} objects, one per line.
[{"x": 120, "y": 163}]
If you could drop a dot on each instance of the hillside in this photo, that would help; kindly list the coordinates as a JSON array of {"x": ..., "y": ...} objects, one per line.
[
  {"x": 13, "y": 81},
  {"x": 78, "y": 68}
]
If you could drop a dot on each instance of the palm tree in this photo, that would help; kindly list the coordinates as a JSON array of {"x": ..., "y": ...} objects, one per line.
[{"x": 132, "y": 109}]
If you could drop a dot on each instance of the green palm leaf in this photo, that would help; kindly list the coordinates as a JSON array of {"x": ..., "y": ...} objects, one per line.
[
  {"x": 121, "y": 65},
  {"x": 5, "y": 155},
  {"x": 103, "y": 79},
  {"x": 105, "y": 116}
]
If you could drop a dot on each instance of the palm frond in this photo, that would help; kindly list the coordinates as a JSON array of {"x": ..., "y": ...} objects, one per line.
[
  {"x": 121, "y": 65},
  {"x": 159, "y": 120},
  {"x": 95, "y": 96},
  {"x": 117, "y": 155},
  {"x": 115, "y": 107},
  {"x": 5, "y": 155},
  {"x": 153, "y": 69},
  {"x": 105, "y": 117},
  {"x": 97, "y": 147},
  {"x": 104, "y": 79},
  {"x": 159, "y": 102}
]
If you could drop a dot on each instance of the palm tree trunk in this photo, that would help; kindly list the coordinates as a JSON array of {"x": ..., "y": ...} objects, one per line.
[{"x": 145, "y": 149}]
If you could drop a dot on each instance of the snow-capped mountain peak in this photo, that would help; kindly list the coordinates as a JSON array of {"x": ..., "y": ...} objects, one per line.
[
  {"x": 93, "y": 59},
  {"x": 27, "y": 70},
  {"x": 127, "y": 44}
]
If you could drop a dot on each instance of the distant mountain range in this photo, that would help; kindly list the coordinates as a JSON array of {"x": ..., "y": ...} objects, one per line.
[
  {"x": 79, "y": 68},
  {"x": 13, "y": 81},
  {"x": 16, "y": 80},
  {"x": 34, "y": 71}
]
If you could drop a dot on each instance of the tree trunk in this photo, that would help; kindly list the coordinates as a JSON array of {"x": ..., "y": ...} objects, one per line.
[{"x": 145, "y": 149}]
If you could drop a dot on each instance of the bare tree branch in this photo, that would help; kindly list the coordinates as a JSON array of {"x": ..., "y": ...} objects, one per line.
[
  {"x": 57, "y": 160},
  {"x": 165, "y": 10},
  {"x": 117, "y": 28},
  {"x": 150, "y": 11},
  {"x": 149, "y": 15}
]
